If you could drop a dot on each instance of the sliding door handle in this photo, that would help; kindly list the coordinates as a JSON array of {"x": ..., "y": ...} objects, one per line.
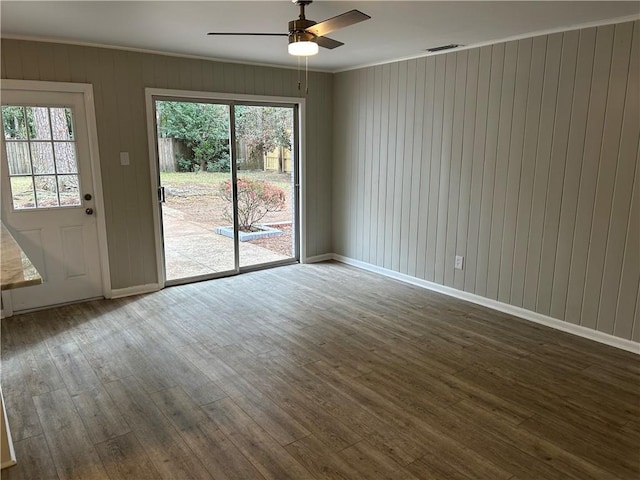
[{"x": 161, "y": 197}]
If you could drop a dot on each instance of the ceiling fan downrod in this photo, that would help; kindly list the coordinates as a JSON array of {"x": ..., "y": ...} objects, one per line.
[{"x": 297, "y": 27}]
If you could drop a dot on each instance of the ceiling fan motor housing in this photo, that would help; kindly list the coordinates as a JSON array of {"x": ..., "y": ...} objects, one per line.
[
  {"x": 297, "y": 31},
  {"x": 300, "y": 25}
]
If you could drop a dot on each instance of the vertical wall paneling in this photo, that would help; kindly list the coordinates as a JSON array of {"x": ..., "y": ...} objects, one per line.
[
  {"x": 409, "y": 121},
  {"x": 384, "y": 163},
  {"x": 445, "y": 166},
  {"x": 339, "y": 179},
  {"x": 635, "y": 334},
  {"x": 541, "y": 175},
  {"x": 45, "y": 65},
  {"x": 522, "y": 157},
  {"x": 392, "y": 162},
  {"x": 423, "y": 192},
  {"x": 434, "y": 169},
  {"x": 600, "y": 226},
  {"x": 400, "y": 164},
  {"x": 456, "y": 165},
  {"x": 630, "y": 274},
  {"x": 321, "y": 215},
  {"x": 109, "y": 139},
  {"x": 477, "y": 175},
  {"x": 31, "y": 70},
  {"x": 573, "y": 169},
  {"x": 61, "y": 62},
  {"x": 3, "y": 64},
  {"x": 619, "y": 221},
  {"x": 13, "y": 60},
  {"x": 374, "y": 213},
  {"x": 514, "y": 168},
  {"x": 126, "y": 203},
  {"x": 555, "y": 178},
  {"x": 369, "y": 138},
  {"x": 489, "y": 167},
  {"x": 589, "y": 172},
  {"x": 416, "y": 166},
  {"x": 361, "y": 164},
  {"x": 502, "y": 168},
  {"x": 471, "y": 100},
  {"x": 525, "y": 195},
  {"x": 77, "y": 65},
  {"x": 354, "y": 193}
]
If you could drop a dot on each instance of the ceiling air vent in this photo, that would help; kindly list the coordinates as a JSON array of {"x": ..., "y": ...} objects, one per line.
[{"x": 444, "y": 47}]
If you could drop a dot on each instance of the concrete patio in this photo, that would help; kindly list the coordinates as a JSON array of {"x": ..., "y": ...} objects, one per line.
[{"x": 192, "y": 250}]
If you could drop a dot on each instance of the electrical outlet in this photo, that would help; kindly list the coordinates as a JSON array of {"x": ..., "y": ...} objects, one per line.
[{"x": 459, "y": 262}]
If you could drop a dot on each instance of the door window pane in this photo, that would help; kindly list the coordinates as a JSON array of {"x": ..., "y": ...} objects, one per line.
[
  {"x": 22, "y": 190},
  {"x": 68, "y": 189},
  {"x": 65, "y": 157},
  {"x": 13, "y": 123},
  {"x": 38, "y": 122},
  {"x": 46, "y": 191},
  {"x": 61, "y": 124},
  {"x": 42, "y": 158},
  {"x": 19, "y": 158}
]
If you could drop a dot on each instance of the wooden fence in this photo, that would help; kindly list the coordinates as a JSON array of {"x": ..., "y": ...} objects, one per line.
[
  {"x": 18, "y": 158},
  {"x": 170, "y": 149}
]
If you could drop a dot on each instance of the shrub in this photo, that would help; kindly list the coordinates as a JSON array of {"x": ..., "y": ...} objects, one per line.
[
  {"x": 256, "y": 198},
  {"x": 184, "y": 164},
  {"x": 220, "y": 164}
]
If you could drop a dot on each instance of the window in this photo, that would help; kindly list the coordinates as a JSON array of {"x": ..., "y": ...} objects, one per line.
[{"x": 41, "y": 156}]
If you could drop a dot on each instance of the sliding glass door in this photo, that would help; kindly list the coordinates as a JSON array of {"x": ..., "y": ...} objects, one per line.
[
  {"x": 267, "y": 185},
  {"x": 228, "y": 182}
]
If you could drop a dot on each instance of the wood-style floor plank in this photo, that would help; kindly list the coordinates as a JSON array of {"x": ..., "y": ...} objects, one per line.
[
  {"x": 73, "y": 453},
  {"x": 35, "y": 461},
  {"x": 335, "y": 374},
  {"x": 269, "y": 458},
  {"x": 125, "y": 459}
]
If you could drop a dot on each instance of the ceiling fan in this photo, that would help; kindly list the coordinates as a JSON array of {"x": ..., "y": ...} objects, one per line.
[{"x": 306, "y": 35}]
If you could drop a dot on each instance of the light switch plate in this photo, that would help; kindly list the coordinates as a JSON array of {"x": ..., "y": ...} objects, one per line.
[
  {"x": 124, "y": 158},
  {"x": 459, "y": 262}
]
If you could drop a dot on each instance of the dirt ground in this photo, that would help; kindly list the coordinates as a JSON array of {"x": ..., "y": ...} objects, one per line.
[{"x": 196, "y": 197}]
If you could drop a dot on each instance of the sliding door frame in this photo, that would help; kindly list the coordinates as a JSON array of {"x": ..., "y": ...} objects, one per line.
[{"x": 154, "y": 94}]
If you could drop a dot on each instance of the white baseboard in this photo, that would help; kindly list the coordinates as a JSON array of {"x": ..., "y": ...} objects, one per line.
[
  {"x": 137, "y": 290},
  {"x": 7, "y": 453},
  {"x": 519, "y": 312},
  {"x": 7, "y": 307},
  {"x": 319, "y": 258}
]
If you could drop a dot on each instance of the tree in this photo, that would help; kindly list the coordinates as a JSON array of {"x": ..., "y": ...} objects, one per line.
[
  {"x": 263, "y": 129},
  {"x": 202, "y": 127},
  {"x": 256, "y": 198}
]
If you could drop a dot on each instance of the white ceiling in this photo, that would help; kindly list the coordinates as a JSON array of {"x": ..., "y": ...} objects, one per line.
[{"x": 397, "y": 29}]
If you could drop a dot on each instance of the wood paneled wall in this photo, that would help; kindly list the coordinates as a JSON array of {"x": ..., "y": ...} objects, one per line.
[
  {"x": 520, "y": 156},
  {"x": 119, "y": 79}
]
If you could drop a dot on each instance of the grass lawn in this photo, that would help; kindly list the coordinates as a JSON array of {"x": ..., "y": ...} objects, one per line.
[
  {"x": 181, "y": 180},
  {"x": 195, "y": 194}
]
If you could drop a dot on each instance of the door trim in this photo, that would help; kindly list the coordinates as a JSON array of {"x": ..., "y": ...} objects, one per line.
[
  {"x": 86, "y": 89},
  {"x": 150, "y": 93}
]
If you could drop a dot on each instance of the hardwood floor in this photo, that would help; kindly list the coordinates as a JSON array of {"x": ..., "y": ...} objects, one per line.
[{"x": 312, "y": 372}]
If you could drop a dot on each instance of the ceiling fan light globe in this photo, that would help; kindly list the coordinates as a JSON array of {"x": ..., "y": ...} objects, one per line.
[{"x": 303, "y": 49}]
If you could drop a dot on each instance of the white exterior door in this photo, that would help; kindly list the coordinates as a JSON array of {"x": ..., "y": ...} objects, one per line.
[{"x": 48, "y": 198}]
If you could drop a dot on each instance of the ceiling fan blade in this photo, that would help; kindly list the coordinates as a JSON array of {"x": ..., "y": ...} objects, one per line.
[
  {"x": 251, "y": 33},
  {"x": 335, "y": 23},
  {"x": 327, "y": 42}
]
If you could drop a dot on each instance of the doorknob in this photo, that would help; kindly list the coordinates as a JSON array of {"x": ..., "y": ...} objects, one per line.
[{"x": 89, "y": 211}]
